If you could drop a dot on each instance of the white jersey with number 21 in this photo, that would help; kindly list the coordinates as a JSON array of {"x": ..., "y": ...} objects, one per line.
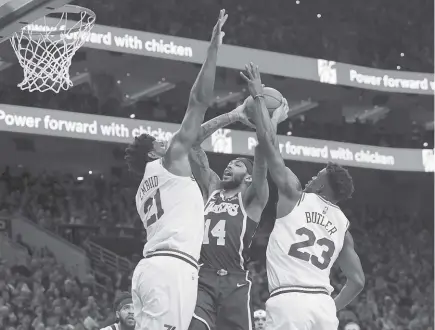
[
  {"x": 171, "y": 208},
  {"x": 304, "y": 244}
]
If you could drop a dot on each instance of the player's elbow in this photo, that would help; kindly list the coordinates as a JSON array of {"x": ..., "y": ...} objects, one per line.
[
  {"x": 358, "y": 279},
  {"x": 199, "y": 100},
  {"x": 262, "y": 195}
]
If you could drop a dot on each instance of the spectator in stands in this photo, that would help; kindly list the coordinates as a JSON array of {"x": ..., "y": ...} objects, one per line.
[
  {"x": 40, "y": 294},
  {"x": 259, "y": 319}
]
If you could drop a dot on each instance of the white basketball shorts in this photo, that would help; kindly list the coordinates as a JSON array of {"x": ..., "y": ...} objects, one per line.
[
  {"x": 164, "y": 290},
  {"x": 301, "y": 311}
]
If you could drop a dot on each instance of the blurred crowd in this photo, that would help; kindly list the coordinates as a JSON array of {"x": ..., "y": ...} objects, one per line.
[
  {"x": 40, "y": 294},
  {"x": 53, "y": 199},
  {"x": 395, "y": 246},
  {"x": 361, "y": 33},
  {"x": 82, "y": 99}
]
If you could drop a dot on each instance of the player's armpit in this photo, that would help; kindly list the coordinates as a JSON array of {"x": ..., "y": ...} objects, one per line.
[
  {"x": 286, "y": 181},
  {"x": 207, "y": 179},
  {"x": 350, "y": 265}
]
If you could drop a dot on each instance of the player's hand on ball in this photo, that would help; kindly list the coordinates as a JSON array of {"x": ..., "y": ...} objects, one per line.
[
  {"x": 218, "y": 34},
  {"x": 281, "y": 113},
  {"x": 253, "y": 79},
  {"x": 241, "y": 113}
]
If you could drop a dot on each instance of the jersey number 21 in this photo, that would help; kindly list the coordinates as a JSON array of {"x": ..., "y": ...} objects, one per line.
[{"x": 153, "y": 200}]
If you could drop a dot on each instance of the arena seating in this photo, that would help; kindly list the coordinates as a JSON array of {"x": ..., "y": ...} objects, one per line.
[
  {"x": 351, "y": 32},
  {"x": 40, "y": 294}
]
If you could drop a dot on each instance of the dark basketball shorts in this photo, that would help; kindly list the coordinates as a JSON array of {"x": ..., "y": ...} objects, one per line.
[{"x": 223, "y": 301}]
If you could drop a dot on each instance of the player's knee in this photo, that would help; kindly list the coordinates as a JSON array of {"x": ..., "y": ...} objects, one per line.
[{"x": 197, "y": 325}]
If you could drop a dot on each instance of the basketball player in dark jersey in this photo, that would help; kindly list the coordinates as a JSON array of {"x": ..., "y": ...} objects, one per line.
[{"x": 233, "y": 207}]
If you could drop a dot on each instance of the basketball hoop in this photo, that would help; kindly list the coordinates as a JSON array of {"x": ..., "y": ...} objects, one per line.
[{"x": 45, "y": 50}]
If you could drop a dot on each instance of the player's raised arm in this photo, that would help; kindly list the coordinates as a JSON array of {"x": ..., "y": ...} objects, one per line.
[
  {"x": 257, "y": 194},
  {"x": 286, "y": 181},
  {"x": 201, "y": 95},
  {"x": 207, "y": 179},
  {"x": 350, "y": 265},
  {"x": 258, "y": 191}
]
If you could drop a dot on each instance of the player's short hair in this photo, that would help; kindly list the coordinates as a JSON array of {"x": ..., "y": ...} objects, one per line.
[
  {"x": 136, "y": 154},
  {"x": 122, "y": 299},
  {"x": 340, "y": 181}
]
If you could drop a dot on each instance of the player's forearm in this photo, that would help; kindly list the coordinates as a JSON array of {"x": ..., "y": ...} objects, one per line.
[
  {"x": 203, "y": 89},
  {"x": 266, "y": 130},
  {"x": 198, "y": 156},
  {"x": 348, "y": 293},
  {"x": 207, "y": 179},
  {"x": 200, "y": 167},
  {"x": 274, "y": 122},
  {"x": 260, "y": 165},
  {"x": 214, "y": 124}
]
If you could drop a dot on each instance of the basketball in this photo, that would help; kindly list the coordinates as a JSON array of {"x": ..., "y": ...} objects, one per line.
[{"x": 272, "y": 98}]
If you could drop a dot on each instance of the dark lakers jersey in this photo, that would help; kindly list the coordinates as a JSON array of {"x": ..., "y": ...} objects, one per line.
[{"x": 228, "y": 232}]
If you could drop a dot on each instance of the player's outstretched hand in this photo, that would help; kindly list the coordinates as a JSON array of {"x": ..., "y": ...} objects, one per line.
[
  {"x": 253, "y": 79},
  {"x": 281, "y": 113},
  {"x": 218, "y": 34},
  {"x": 241, "y": 114}
]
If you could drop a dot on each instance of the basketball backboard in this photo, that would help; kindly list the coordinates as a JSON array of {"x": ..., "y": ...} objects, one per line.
[{"x": 15, "y": 14}]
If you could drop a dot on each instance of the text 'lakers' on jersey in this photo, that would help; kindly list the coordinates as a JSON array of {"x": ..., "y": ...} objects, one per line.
[
  {"x": 228, "y": 233},
  {"x": 171, "y": 208},
  {"x": 304, "y": 245}
]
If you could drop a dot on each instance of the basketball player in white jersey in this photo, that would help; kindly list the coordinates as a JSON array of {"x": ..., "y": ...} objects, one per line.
[
  {"x": 170, "y": 204},
  {"x": 310, "y": 234}
]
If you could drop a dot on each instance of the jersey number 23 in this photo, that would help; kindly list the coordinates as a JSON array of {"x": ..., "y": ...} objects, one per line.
[{"x": 296, "y": 249}]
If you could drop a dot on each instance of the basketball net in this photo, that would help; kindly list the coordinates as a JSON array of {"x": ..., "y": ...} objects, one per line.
[{"x": 45, "y": 56}]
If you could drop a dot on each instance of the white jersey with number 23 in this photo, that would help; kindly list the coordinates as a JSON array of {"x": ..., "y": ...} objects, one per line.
[
  {"x": 304, "y": 244},
  {"x": 171, "y": 208}
]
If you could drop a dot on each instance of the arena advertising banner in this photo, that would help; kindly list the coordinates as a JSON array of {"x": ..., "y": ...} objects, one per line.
[
  {"x": 194, "y": 51},
  {"x": 334, "y": 73},
  {"x": 122, "y": 130}
]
